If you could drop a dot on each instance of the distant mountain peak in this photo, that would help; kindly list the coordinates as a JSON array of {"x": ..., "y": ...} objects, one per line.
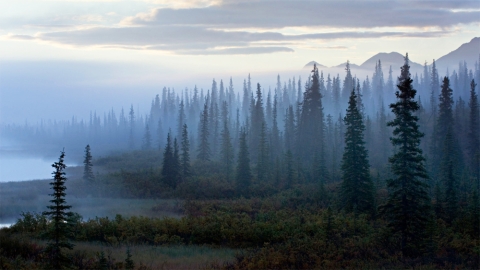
[
  {"x": 311, "y": 63},
  {"x": 468, "y": 52}
]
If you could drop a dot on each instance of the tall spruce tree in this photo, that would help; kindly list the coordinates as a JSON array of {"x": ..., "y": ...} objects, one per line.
[
  {"x": 311, "y": 125},
  {"x": 88, "y": 175},
  {"x": 176, "y": 165},
  {"x": 474, "y": 134},
  {"x": 59, "y": 215},
  {"x": 147, "y": 139},
  {"x": 226, "y": 151},
  {"x": 357, "y": 186},
  {"x": 244, "y": 174},
  {"x": 204, "y": 134},
  {"x": 170, "y": 168},
  {"x": 185, "y": 156},
  {"x": 407, "y": 207},
  {"x": 448, "y": 177},
  {"x": 131, "y": 117},
  {"x": 289, "y": 170},
  {"x": 263, "y": 156}
]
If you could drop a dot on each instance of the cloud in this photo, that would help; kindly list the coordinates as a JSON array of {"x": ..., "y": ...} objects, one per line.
[
  {"x": 182, "y": 4},
  {"x": 245, "y": 27},
  {"x": 280, "y": 14},
  {"x": 334, "y": 47},
  {"x": 239, "y": 51},
  {"x": 20, "y": 37},
  {"x": 200, "y": 40}
]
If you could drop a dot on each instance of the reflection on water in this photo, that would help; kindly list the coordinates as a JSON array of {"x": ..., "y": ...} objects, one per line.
[
  {"x": 17, "y": 163},
  {"x": 19, "y": 168}
]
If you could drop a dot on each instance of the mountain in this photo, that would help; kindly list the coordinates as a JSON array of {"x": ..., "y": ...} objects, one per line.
[
  {"x": 343, "y": 65},
  {"x": 469, "y": 52},
  {"x": 393, "y": 59},
  {"x": 309, "y": 65}
]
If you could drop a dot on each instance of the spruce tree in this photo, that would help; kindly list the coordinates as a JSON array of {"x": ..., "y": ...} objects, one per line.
[
  {"x": 185, "y": 157},
  {"x": 170, "y": 168},
  {"x": 129, "y": 263},
  {"x": 311, "y": 125},
  {"x": 204, "y": 134},
  {"x": 176, "y": 165},
  {"x": 244, "y": 175},
  {"x": 88, "y": 175},
  {"x": 263, "y": 156},
  {"x": 59, "y": 215},
  {"x": 131, "y": 139},
  {"x": 147, "y": 139},
  {"x": 226, "y": 151},
  {"x": 257, "y": 120},
  {"x": 357, "y": 186},
  {"x": 289, "y": 129},
  {"x": 407, "y": 207},
  {"x": 474, "y": 135},
  {"x": 448, "y": 178},
  {"x": 289, "y": 169}
]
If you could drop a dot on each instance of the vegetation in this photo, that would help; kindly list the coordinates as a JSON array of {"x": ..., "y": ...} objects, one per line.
[
  {"x": 60, "y": 218},
  {"x": 291, "y": 181}
]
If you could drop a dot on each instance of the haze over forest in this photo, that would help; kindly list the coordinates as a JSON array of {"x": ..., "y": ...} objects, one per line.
[{"x": 218, "y": 134}]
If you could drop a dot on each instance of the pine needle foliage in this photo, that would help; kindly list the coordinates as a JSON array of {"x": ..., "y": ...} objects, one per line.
[
  {"x": 357, "y": 186},
  {"x": 59, "y": 216},
  {"x": 88, "y": 175},
  {"x": 244, "y": 174},
  {"x": 407, "y": 208}
]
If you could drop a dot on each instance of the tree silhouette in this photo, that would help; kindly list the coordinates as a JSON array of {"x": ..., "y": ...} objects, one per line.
[
  {"x": 407, "y": 206},
  {"x": 357, "y": 186},
  {"x": 88, "y": 175},
  {"x": 244, "y": 174},
  {"x": 59, "y": 215}
]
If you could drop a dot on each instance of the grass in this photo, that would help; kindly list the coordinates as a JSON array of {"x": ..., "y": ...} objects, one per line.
[
  {"x": 162, "y": 257},
  {"x": 32, "y": 196}
]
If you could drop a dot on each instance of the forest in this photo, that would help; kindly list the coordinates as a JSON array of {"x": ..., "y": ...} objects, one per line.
[{"x": 381, "y": 172}]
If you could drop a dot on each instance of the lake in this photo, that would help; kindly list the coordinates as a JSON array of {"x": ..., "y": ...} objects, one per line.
[{"x": 20, "y": 168}]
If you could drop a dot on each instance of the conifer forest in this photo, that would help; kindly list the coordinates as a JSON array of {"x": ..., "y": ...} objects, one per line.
[{"x": 322, "y": 171}]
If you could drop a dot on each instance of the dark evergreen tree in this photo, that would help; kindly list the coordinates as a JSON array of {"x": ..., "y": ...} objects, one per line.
[
  {"x": 275, "y": 139},
  {"x": 474, "y": 134},
  {"x": 348, "y": 84},
  {"x": 129, "y": 263},
  {"x": 59, "y": 216},
  {"x": 176, "y": 165},
  {"x": 204, "y": 133},
  {"x": 311, "y": 125},
  {"x": 357, "y": 186},
  {"x": 170, "y": 168},
  {"x": 226, "y": 151},
  {"x": 289, "y": 170},
  {"x": 181, "y": 119},
  {"x": 263, "y": 156},
  {"x": 257, "y": 120},
  {"x": 88, "y": 175},
  {"x": 102, "y": 263},
  {"x": 448, "y": 177},
  {"x": 407, "y": 207},
  {"x": 474, "y": 215},
  {"x": 160, "y": 135},
  {"x": 244, "y": 175},
  {"x": 147, "y": 139},
  {"x": 185, "y": 157},
  {"x": 289, "y": 129},
  {"x": 131, "y": 139}
]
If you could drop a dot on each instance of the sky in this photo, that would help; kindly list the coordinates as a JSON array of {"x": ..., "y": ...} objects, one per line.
[{"x": 60, "y": 58}]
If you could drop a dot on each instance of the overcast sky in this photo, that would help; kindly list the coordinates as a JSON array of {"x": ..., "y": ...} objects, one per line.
[{"x": 134, "y": 48}]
